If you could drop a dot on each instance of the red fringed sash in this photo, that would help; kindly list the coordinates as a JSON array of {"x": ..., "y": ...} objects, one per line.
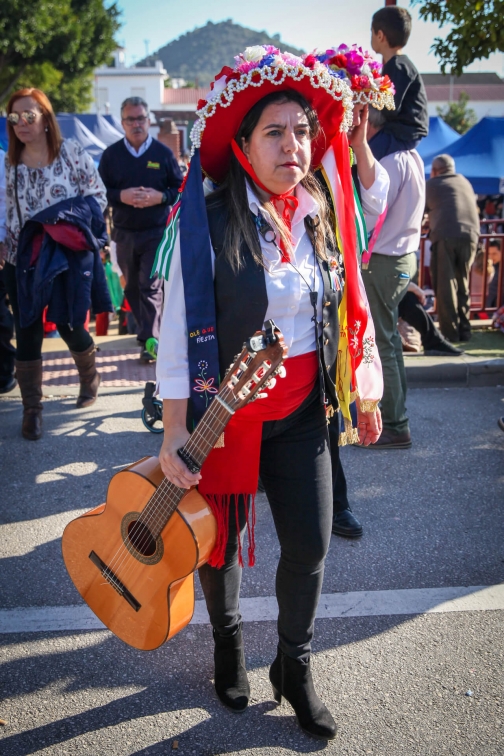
[
  {"x": 356, "y": 308},
  {"x": 232, "y": 471}
]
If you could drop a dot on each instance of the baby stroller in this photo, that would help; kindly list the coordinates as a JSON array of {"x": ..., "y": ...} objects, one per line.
[{"x": 152, "y": 413}]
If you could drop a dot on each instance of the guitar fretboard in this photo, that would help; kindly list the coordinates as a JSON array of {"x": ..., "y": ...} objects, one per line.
[{"x": 167, "y": 496}]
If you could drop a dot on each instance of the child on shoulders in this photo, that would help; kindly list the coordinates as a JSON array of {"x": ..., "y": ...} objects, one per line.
[{"x": 409, "y": 122}]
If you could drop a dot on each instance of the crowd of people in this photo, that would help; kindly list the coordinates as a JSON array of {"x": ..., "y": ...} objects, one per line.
[{"x": 329, "y": 254}]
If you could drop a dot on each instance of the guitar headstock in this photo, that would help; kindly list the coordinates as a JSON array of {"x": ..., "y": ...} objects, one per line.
[{"x": 255, "y": 368}]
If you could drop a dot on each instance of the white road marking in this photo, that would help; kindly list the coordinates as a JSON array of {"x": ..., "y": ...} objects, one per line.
[{"x": 411, "y": 601}]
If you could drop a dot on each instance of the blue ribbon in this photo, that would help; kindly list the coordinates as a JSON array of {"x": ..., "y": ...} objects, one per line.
[{"x": 196, "y": 259}]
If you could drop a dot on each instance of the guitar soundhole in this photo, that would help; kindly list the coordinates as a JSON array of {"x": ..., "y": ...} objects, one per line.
[{"x": 141, "y": 538}]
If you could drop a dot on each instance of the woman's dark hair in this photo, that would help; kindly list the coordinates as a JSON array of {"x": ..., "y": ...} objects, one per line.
[
  {"x": 53, "y": 134},
  {"x": 240, "y": 225},
  {"x": 395, "y": 23}
]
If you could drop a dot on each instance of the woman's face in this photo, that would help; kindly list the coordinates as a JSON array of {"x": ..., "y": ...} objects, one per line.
[
  {"x": 28, "y": 132},
  {"x": 279, "y": 148}
]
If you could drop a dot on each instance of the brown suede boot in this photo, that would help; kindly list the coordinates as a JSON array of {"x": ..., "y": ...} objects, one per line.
[
  {"x": 88, "y": 375},
  {"x": 29, "y": 377}
]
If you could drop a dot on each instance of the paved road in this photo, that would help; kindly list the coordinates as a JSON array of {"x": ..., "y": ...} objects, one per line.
[{"x": 396, "y": 683}]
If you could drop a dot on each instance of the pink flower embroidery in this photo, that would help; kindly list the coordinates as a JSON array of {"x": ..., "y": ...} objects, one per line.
[{"x": 205, "y": 385}]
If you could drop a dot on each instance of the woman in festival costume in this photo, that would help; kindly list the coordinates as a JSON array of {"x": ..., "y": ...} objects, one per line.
[{"x": 264, "y": 245}]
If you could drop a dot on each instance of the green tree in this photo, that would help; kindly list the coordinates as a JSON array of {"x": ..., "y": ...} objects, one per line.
[
  {"x": 55, "y": 45},
  {"x": 478, "y": 30},
  {"x": 458, "y": 115}
]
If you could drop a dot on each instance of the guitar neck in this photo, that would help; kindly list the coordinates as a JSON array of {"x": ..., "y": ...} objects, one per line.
[{"x": 165, "y": 500}]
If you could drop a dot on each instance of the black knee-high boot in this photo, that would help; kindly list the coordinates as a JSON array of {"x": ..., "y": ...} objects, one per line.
[
  {"x": 292, "y": 679},
  {"x": 231, "y": 682}
]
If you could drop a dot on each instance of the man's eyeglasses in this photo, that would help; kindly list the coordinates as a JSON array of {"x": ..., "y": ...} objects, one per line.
[
  {"x": 130, "y": 121},
  {"x": 27, "y": 115}
]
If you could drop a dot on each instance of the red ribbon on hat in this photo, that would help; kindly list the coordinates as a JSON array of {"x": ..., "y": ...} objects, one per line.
[{"x": 285, "y": 204}]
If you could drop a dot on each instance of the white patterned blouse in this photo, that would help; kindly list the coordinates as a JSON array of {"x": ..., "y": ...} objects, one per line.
[{"x": 72, "y": 174}]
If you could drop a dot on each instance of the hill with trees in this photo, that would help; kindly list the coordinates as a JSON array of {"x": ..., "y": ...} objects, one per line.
[{"x": 200, "y": 54}]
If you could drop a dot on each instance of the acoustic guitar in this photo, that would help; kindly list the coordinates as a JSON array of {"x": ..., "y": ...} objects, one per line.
[{"x": 133, "y": 558}]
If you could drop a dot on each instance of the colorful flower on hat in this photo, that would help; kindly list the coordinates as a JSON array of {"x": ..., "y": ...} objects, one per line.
[{"x": 361, "y": 71}]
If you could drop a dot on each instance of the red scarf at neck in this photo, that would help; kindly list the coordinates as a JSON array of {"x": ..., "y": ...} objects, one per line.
[{"x": 285, "y": 204}]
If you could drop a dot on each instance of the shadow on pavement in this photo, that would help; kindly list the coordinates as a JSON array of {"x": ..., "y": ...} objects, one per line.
[{"x": 109, "y": 664}]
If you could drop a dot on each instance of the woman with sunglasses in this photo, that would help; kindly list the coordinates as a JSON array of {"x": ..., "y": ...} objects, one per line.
[{"x": 44, "y": 173}]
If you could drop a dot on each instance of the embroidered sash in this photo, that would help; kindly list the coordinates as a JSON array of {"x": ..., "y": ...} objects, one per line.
[{"x": 197, "y": 274}]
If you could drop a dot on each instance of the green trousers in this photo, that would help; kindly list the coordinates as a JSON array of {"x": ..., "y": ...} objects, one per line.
[
  {"x": 386, "y": 281},
  {"x": 451, "y": 261}
]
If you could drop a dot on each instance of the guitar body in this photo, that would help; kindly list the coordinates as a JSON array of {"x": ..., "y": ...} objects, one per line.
[{"x": 153, "y": 597}]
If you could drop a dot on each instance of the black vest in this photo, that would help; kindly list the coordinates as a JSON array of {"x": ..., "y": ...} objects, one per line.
[{"x": 241, "y": 300}]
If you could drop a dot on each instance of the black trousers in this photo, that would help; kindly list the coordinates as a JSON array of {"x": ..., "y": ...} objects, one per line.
[
  {"x": 7, "y": 351},
  {"x": 413, "y": 313},
  {"x": 295, "y": 471},
  {"x": 136, "y": 252},
  {"x": 339, "y": 484},
  {"x": 29, "y": 340}
]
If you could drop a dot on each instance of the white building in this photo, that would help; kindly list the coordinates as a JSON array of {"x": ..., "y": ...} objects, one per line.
[
  {"x": 485, "y": 91},
  {"x": 113, "y": 84}
]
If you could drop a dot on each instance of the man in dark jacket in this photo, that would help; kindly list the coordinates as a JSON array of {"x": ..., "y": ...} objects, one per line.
[
  {"x": 454, "y": 232},
  {"x": 142, "y": 178}
]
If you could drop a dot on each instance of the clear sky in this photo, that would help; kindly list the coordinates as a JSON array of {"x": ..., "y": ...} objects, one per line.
[{"x": 303, "y": 23}]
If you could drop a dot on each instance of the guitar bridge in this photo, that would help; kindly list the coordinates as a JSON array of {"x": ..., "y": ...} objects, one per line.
[{"x": 114, "y": 581}]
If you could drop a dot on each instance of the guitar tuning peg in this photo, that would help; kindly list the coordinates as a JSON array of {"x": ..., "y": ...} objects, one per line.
[
  {"x": 271, "y": 383},
  {"x": 282, "y": 372},
  {"x": 261, "y": 396}
]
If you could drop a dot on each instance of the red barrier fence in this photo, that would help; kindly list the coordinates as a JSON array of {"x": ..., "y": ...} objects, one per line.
[{"x": 478, "y": 301}]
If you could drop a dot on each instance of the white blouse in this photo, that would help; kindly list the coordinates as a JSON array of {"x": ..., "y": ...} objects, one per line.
[
  {"x": 288, "y": 300},
  {"x": 72, "y": 174}
]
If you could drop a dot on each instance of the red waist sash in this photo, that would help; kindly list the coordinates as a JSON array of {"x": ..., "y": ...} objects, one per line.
[{"x": 233, "y": 470}]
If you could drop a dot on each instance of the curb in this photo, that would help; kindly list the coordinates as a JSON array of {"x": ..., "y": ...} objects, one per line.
[{"x": 453, "y": 372}]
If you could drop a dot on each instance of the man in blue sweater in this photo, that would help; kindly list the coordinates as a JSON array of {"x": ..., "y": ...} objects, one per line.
[{"x": 142, "y": 178}]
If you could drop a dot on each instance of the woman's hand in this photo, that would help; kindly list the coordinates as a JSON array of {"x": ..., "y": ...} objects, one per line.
[
  {"x": 358, "y": 141},
  {"x": 171, "y": 464},
  {"x": 175, "y": 437},
  {"x": 369, "y": 426},
  {"x": 357, "y": 135}
]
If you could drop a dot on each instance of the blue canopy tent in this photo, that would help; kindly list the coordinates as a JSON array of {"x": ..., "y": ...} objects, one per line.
[
  {"x": 71, "y": 127},
  {"x": 3, "y": 133},
  {"x": 439, "y": 137},
  {"x": 100, "y": 127},
  {"x": 115, "y": 122},
  {"x": 479, "y": 156}
]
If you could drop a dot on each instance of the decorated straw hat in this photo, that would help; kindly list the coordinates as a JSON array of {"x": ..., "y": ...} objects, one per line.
[
  {"x": 258, "y": 72},
  {"x": 362, "y": 73}
]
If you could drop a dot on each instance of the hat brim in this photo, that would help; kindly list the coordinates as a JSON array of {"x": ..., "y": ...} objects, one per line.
[{"x": 223, "y": 125}]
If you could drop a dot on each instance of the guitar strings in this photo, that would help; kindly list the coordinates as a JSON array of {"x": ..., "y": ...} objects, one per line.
[
  {"x": 167, "y": 492},
  {"x": 167, "y": 495}
]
